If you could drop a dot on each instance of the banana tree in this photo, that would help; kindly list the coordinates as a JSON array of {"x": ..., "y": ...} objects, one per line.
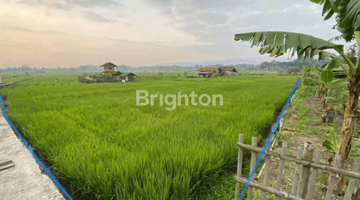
[
  {"x": 332, "y": 144},
  {"x": 306, "y": 46},
  {"x": 306, "y": 73},
  {"x": 327, "y": 80}
]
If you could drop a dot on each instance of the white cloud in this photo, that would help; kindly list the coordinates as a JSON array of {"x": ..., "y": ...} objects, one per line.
[
  {"x": 206, "y": 27},
  {"x": 96, "y": 17},
  {"x": 213, "y": 18}
]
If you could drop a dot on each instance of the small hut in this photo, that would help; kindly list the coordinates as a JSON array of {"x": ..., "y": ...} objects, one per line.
[
  {"x": 109, "y": 68},
  {"x": 209, "y": 72},
  {"x": 340, "y": 73},
  {"x": 293, "y": 71},
  {"x": 129, "y": 77},
  {"x": 228, "y": 71},
  {"x": 217, "y": 71}
]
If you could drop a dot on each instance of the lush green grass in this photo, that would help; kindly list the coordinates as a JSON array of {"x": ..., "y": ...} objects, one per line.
[
  {"x": 15, "y": 78},
  {"x": 99, "y": 140}
]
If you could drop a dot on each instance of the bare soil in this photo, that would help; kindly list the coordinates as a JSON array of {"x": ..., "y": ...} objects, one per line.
[{"x": 295, "y": 137}]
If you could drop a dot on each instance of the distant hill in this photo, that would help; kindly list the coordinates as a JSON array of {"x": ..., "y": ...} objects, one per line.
[
  {"x": 248, "y": 64},
  {"x": 233, "y": 61}
]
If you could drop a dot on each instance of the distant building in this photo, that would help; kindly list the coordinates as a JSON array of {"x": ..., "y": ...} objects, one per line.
[
  {"x": 340, "y": 73},
  {"x": 228, "y": 71},
  {"x": 109, "y": 68},
  {"x": 206, "y": 72},
  {"x": 217, "y": 71},
  {"x": 129, "y": 77},
  {"x": 293, "y": 71}
]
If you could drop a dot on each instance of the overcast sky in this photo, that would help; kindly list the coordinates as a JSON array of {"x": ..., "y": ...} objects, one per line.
[{"x": 66, "y": 33}]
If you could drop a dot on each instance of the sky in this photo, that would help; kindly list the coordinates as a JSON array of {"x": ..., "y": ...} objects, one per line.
[{"x": 69, "y": 33}]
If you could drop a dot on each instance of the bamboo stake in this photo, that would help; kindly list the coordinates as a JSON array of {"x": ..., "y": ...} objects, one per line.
[
  {"x": 263, "y": 167},
  {"x": 332, "y": 180},
  {"x": 297, "y": 172},
  {"x": 304, "y": 162},
  {"x": 266, "y": 175},
  {"x": 352, "y": 184},
  {"x": 269, "y": 189},
  {"x": 253, "y": 161},
  {"x": 314, "y": 174},
  {"x": 281, "y": 168},
  {"x": 305, "y": 170},
  {"x": 239, "y": 166}
]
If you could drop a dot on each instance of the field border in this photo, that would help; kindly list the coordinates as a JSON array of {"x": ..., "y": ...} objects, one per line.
[
  {"x": 268, "y": 140},
  {"x": 46, "y": 169}
]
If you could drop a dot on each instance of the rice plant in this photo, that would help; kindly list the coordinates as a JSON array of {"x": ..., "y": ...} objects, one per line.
[{"x": 100, "y": 141}]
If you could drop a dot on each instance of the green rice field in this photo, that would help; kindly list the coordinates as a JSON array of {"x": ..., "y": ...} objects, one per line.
[{"x": 104, "y": 145}]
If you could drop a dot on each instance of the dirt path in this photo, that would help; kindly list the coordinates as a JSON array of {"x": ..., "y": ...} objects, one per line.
[
  {"x": 24, "y": 180},
  {"x": 303, "y": 124}
]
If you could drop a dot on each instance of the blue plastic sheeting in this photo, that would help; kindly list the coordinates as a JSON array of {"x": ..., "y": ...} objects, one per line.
[
  {"x": 269, "y": 140},
  {"x": 46, "y": 169}
]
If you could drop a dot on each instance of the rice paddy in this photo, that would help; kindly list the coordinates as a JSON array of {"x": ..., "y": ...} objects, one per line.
[{"x": 107, "y": 147}]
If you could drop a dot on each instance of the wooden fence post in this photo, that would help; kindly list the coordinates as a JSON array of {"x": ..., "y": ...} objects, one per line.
[
  {"x": 239, "y": 167},
  {"x": 331, "y": 185},
  {"x": 312, "y": 183},
  {"x": 253, "y": 161},
  {"x": 266, "y": 174},
  {"x": 306, "y": 186},
  {"x": 305, "y": 170},
  {"x": 281, "y": 168},
  {"x": 352, "y": 184},
  {"x": 297, "y": 172}
]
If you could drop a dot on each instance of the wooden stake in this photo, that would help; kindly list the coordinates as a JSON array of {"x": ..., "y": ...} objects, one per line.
[
  {"x": 331, "y": 185},
  {"x": 297, "y": 172},
  {"x": 314, "y": 174},
  {"x": 266, "y": 174},
  {"x": 352, "y": 184},
  {"x": 239, "y": 167},
  {"x": 281, "y": 168},
  {"x": 269, "y": 189},
  {"x": 304, "y": 162},
  {"x": 253, "y": 161},
  {"x": 305, "y": 170}
]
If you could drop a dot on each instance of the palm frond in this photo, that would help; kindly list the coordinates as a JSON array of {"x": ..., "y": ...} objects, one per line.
[
  {"x": 277, "y": 43},
  {"x": 347, "y": 18},
  {"x": 338, "y": 38}
]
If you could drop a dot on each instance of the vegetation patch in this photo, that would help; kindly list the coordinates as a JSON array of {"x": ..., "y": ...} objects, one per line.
[{"x": 106, "y": 146}]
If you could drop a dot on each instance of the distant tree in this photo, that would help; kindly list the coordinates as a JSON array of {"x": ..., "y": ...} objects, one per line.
[{"x": 118, "y": 73}]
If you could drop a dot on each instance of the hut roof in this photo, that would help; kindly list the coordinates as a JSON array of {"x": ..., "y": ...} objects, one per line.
[
  {"x": 209, "y": 69},
  {"x": 108, "y": 64},
  {"x": 231, "y": 69},
  {"x": 123, "y": 75},
  {"x": 294, "y": 69}
]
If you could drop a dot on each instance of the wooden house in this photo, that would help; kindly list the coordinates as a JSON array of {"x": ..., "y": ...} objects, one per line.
[
  {"x": 228, "y": 71},
  {"x": 109, "y": 68},
  {"x": 204, "y": 74},
  {"x": 209, "y": 72},
  {"x": 129, "y": 77},
  {"x": 217, "y": 71},
  {"x": 293, "y": 71}
]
